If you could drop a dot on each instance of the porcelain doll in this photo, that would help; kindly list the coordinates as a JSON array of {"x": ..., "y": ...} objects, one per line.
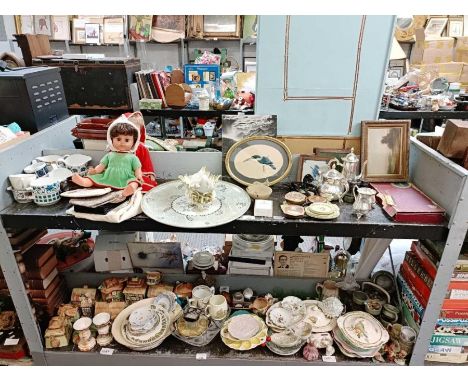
[{"x": 120, "y": 169}]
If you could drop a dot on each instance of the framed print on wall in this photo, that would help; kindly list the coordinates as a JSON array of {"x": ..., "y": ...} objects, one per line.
[
  {"x": 436, "y": 26},
  {"x": 113, "y": 30},
  {"x": 455, "y": 27},
  {"x": 385, "y": 148},
  {"x": 60, "y": 28},
  {"x": 42, "y": 25},
  {"x": 24, "y": 24},
  {"x": 140, "y": 27},
  {"x": 92, "y": 33}
]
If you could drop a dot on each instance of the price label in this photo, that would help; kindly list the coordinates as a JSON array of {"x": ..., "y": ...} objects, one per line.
[
  {"x": 11, "y": 341},
  {"x": 200, "y": 356},
  {"x": 107, "y": 351},
  {"x": 328, "y": 358}
]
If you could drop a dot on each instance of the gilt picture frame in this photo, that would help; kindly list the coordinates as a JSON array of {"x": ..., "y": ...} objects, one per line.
[{"x": 385, "y": 150}]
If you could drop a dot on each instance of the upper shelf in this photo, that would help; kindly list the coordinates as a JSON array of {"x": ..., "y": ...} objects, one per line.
[
  {"x": 376, "y": 224},
  {"x": 174, "y": 113},
  {"x": 417, "y": 114}
]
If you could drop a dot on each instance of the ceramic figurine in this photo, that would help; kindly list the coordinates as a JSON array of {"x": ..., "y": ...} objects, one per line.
[
  {"x": 200, "y": 187},
  {"x": 121, "y": 168},
  {"x": 322, "y": 340},
  {"x": 87, "y": 342},
  {"x": 310, "y": 353}
]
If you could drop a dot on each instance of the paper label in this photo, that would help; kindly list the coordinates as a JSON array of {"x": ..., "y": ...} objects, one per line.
[
  {"x": 107, "y": 351},
  {"x": 11, "y": 341},
  {"x": 328, "y": 358},
  {"x": 200, "y": 356}
]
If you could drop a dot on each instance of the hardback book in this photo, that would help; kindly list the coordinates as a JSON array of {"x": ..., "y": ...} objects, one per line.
[
  {"x": 19, "y": 236},
  {"x": 409, "y": 295},
  {"x": 424, "y": 260},
  {"x": 416, "y": 283},
  {"x": 408, "y": 204},
  {"x": 51, "y": 298},
  {"x": 413, "y": 262},
  {"x": 42, "y": 284},
  {"x": 44, "y": 293},
  {"x": 452, "y": 322},
  {"x": 454, "y": 309},
  {"x": 449, "y": 340},
  {"x": 43, "y": 271},
  {"x": 409, "y": 318},
  {"x": 29, "y": 241},
  {"x": 36, "y": 256},
  {"x": 436, "y": 248}
]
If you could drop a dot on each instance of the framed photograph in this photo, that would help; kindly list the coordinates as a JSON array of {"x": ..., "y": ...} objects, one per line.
[
  {"x": 78, "y": 30},
  {"x": 113, "y": 30},
  {"x": 385, "y": 150},
  {"x": 455, "y": 27},
  {"x": 60, "y": 28},
  {"x": 311, "y": 165},
  {"x": 92, "y": 33},
  {"x": 258, "y": 159},
  {"x": 436, "y": 26},
  {"x": 42, "y": 25},
  {"x": 24, "y": 24},
  {"x": 250, "y": 26}
]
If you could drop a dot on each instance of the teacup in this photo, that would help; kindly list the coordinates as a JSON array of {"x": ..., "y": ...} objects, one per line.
[
  {"x": 46, "y": 191},
  {"x": 260, "y": 305},
  {"x": 21, "y": 181},
  {"x": 76, "y": 163},
  {"x": 38, "y": 168},
  {"x": 328, "y": 289},
  {"x": 201, "y": 295},
  {"x": 217, "y": 307},
  {"x": 22, "y": 196}
]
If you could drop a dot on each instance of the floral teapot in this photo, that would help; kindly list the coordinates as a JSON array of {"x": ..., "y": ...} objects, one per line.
[{"x": 333, "y": 184}]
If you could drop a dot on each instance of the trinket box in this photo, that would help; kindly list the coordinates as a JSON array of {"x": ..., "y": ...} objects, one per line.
[
  {"x": 77, "y": 293},
  {"x": 135, "y": 290},
  {"x": 58, "y": 333},
  {"x": 263, "y": 208},
  {"x": 69, "y": 312},
  {"x": 112, "y": 289}
]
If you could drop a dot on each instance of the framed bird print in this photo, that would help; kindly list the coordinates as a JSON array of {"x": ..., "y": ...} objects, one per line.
[
  {"x": 311, "y": 165},
  {"x": 258, "y": 159}
]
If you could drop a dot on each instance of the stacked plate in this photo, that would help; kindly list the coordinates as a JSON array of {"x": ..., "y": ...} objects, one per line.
[
  {"x": 359, "y": 335},
  {"x": 253, "y": 243},
  {"x": 286, "y": 314},
  {"x": 244, "y": 332},
  {"x": 285, "y": 343},
  {"x": 203, "y": 260},
  {"x": 317, "y": 318},
  {"x": 323, "y": 211}
]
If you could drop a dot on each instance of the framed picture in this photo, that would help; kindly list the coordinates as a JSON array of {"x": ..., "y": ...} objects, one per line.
[
  {"x": 60, "y": 28},
  {"x": 385, "y": 150},
  {"x": 113, "y": 30},
  {"x": 238, "y": 127},
  {"x": 395, "y": 73},
  {"x": 301, "y": 264},
  {"x": 436, "y": 26},
  {"x": 92, "y": 33},
  {"x": 42, "y": 25},
  {"x": 24, "y": 24},
  {"x": 250, "y": 26},
  {"x": 140, "y": 27},
  {"x": 455, "y": 27},
  {"x": 168, "y": 28},
  {"x": 258, "y": 159},
  {"x": 210, "y": 26},
  {"x": 311, "y": 165},
  {"x": 78, "y": 30}
]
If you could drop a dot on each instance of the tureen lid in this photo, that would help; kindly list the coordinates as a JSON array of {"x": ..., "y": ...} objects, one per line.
[
  {"x": 351, "y": 157},
  {"x": 333, "y": 174}
]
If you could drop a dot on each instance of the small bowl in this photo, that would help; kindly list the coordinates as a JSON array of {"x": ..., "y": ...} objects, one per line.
[
  {"x": 295, "y": 197},
  {"x": 359, "y": 297},
  {"x": 391, "y": 308},
  {"x": 316, "y": 199},
  {"x": 259, "y": 191},
  {"x": 373, "y": 307},
  {"x": 293, "y": 211}
]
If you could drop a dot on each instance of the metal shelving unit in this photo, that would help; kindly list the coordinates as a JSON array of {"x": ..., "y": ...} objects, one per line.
[
  {"x": 417, "y": 114},
  {"x": 450, "y": 190}
]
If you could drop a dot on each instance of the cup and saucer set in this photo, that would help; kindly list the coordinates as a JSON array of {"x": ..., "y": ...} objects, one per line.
[{"x": 44, "y": 179}]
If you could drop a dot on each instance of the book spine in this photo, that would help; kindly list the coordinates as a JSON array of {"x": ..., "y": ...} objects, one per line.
[
  {"x": 419, "y": 288},
  {"x": 455, "y": 313},
  {"x": 446, "y": 349},
  {"x": 429, "y": 246},
  {"x": 426, "y": 263},
  {"x": 447, "y": 358},
  {"x": 410, "y": 299},
  {"x": 449, "y": 340},
  {"x": 459, "y": 276},
  {"x": 452, "y": 322},
  {"x": 418, "y": 269}
]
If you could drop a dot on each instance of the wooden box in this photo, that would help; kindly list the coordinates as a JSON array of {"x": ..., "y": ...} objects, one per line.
[{"x": 455, "y": 139}]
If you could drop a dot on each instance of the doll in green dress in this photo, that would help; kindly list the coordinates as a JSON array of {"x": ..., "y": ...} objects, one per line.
[{"x": 119, "y": 169}]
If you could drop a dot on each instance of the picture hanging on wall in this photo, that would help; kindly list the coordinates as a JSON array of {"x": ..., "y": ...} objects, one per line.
[
  {"x": 140, "y": 27},
  {"x": 24, "y": 24},
  {"x": 92, "y": 33},
  {"x": 436, "y": 26},
  {"x": 455, "y": 27},
  {"x": 60, "y": 28},
  {"x": 42, "y": 25},
  {"x": 113, "y": 30},
  {"x": 238, "y": 127}
]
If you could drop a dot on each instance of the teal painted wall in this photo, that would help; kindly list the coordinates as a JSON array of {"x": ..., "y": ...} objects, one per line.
[{"x": 302, "y": 59}]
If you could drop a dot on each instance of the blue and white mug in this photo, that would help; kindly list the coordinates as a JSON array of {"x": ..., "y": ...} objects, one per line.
[
  {"x": 38, "y": 168},
  {"x": 46, "y": 191}
]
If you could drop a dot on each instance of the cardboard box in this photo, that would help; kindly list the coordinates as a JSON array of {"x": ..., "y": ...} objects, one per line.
[
  {"x": 429, "y": 50},
  {"x": 450, "y": 70},
  {"x": 461, "y": 49},
  {"x": 455, "y": 139}
]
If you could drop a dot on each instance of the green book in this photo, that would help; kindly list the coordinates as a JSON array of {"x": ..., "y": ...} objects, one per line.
[{"x": 449, "y": 340}]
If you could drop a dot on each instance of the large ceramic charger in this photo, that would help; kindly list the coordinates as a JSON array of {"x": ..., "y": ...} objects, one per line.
[
  {"x": 258, "y": 159},
  {"x": 168, "y": 204}
]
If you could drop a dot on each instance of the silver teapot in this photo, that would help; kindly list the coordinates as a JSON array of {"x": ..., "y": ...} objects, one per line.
[
  {"x": 333, "y": 184},
  {"x": 364, "y": 200},
  {"x": 350, "y": 165}
]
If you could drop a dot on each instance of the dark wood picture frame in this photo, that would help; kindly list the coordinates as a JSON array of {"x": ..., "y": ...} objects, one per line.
[
  {"x": 303, "y": 158},
  {"x": 398, "y": 151}
]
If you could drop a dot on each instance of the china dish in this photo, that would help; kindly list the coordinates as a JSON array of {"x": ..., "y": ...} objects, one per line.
[
  {"x": 168, "y": 204},
  {"x": 246, "y": 344},
  {"x": 86, "y": 192},
  {"x": 320, "y": 322},
  {"x": 295, "y": 197},
  {"x": 293, "y": 211},
  {"x": 322, "y": 211},
  {"x": 284, "y": 351},
  {"x": 192, "y": 329},
  {"x": 243, "y": 327}
]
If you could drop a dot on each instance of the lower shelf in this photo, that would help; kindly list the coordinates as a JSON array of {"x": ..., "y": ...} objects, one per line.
[
  {"x": 174, "y": 352},
  {"x": 27, "y": 361}
]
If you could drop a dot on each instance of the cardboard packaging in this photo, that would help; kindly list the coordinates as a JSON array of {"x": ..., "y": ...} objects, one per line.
[
  {"x": 461, "y": 49},
  {"x": 430, "y": 50},
  {"x": 111, "y": 252},
  {"x": 450, "y": 70},
  {"x": 455, "y": 139}
]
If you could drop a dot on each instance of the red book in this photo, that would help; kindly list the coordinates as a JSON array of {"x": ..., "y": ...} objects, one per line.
[
  {"x": 454, "y": 309},
  {"x": 461, "y": 285},
  {"x": 420, "y": 288},
  {"x": 425, "y": 262},
  {"x": 159, "y": 88},
  {"x": 408, "y": 204}
]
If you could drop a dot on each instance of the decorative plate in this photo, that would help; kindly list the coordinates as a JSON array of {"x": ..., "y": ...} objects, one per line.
[
  {"x": 321, "y": 209},
  {"x": 192, "y": 329},
  {"x": 295, "y": 197},
  {"x": 166, "y": 300},
  {"x": 362, "y": 330},
  {"x": 284, "y": 351},
  {"x": 294, "y": 304},
  {"x": 320, "y": 322},
  {"x": 168, "y": 204},
  {"x": 243, "y": 327},
  {"x": 258, "y": 159},
  {"x": 332, "y": 307},
  {"x": 203, "y": 259},
  {"x": 293, "y": 211},
  {"x": 248, "y": 344},
  {"x": 317, "y": 199},
  {"x": 86, "y": 192},
  {"x": 49, "y": 158},
  {"x": 280, "y": 317}
]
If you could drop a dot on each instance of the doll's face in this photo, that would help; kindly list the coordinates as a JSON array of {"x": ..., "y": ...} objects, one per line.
[{"x": 123, "y": 142}]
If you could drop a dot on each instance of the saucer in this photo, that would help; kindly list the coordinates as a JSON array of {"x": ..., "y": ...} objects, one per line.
[{"x": 86, "y": 192}]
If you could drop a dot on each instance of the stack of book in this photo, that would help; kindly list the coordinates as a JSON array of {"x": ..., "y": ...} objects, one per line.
[
  {"x": 43, "y": 281},
  {"x": 251, "y": 255},
  {"x": 152, "y": 84},
  {"x": 449, "y": 343}
]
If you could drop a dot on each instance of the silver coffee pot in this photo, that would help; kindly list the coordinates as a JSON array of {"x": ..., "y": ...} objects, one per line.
[{"x": 350, "y": 164}]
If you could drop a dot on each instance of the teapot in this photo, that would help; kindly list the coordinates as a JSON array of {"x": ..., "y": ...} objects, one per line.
[
  {"x": 333, "y": 184},
  {"x": 350, "y": 165}
]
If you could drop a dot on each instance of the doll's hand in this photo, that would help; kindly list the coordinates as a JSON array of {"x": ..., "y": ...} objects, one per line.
[{"x": 91, "y": 171}]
